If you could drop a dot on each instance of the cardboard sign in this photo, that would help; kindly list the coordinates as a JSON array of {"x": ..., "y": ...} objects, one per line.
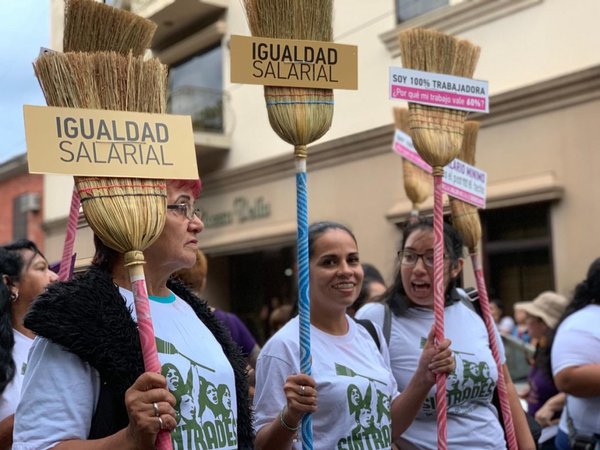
[
  {"x": 88, "y": 142},
  {"x": 435, "y": 89},
  {"x": 293, "y": 63},
  {"x": 461, "y": 180}
]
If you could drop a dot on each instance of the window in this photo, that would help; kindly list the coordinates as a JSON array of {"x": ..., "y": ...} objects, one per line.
[
  {"x": 196, "y": 89},
  {"x": 518, "y": 252},
  {"x": 409, "y": 9},
  {"x": 20, "y": 217}
]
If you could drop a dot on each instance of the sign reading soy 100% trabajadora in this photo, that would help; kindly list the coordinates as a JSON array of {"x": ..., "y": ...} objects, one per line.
[{"x": 435, "y": 89}]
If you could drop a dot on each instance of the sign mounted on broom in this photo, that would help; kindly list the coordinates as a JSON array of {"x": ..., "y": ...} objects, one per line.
[
  {"x": 88, "y": 142},
  {"x": 299, "y": 67},
  {"x": 436, "y": 89},
  {"x": 293, "y": 63},
  {"x": 461, "y": 180}
]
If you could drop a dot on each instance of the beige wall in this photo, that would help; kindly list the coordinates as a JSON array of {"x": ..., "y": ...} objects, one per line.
[{"x": 545, "y": 39}]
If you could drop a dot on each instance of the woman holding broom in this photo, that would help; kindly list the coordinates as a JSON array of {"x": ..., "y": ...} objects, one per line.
[
  {"x": 85, "y": 371},
  {"x": 472, "y": 418},
  {"x": 353, "y": 395}
]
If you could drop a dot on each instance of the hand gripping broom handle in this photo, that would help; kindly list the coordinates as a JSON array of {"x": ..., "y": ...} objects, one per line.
[
  {"x": 484, "y": 302},
  {"x": 438, "y": 301},
  {"x": 303, "y": 282},
  {"x": 64, "y": 272},
  {"x": 134, "y": 262}
]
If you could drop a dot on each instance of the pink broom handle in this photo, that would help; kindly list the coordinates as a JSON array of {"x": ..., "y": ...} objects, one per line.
[
  {"x": 509, "y": 429},
  {"x": 439, "y": 301},
  {"x": 65, "y": 264},
  {"x": 133, "y": 262}
]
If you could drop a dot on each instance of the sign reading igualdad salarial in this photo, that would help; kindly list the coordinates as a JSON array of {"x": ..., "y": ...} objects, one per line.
[
  {"x": 87, "y": 142},
  {"x": 293, "y": 63}
]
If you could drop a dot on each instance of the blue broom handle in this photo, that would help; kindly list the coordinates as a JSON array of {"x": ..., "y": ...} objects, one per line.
[{"x": 303, "y": 288}]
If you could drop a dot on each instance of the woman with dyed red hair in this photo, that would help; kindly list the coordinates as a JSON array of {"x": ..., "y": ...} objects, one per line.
[{"x": 86, "y": 371}]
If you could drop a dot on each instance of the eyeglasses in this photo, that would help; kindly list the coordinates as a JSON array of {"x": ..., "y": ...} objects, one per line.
[
  {"x": 187, "y": 210},
  {"x": 410, "y": 258}
]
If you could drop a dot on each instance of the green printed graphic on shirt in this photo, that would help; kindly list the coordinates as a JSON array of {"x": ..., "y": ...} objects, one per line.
[
  {"x": 205, "y": 418},
  {"x": 469, "y": 384},
  {"x": 370, "y": 410}
]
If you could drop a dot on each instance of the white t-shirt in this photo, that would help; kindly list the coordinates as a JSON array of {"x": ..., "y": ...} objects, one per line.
[
  {"x": 577, "y": 342},
  {"x": 60, "y": 392},
  {"x": 472, "y": 418},
  {"x": 354, "y": 383},
  {"x": 12, "y": 393}
]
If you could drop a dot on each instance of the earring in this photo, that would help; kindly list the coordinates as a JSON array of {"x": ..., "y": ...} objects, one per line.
[{"x": 14, "y": 296}]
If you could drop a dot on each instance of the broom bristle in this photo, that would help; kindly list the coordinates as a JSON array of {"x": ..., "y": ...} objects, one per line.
[
  {"x": 437, "y": 132},
  {"x": 417, "y": 182},
  {"x": 103, "y": 80},
  {"x": 127, "y": 214},
  {"x": 299, "y": 116},
  {"x": 465, "y": 217},
  {"x": 92, "y": 26},
  {"x": 291, "y": 19},
  {"x": 469, "y": 144}
]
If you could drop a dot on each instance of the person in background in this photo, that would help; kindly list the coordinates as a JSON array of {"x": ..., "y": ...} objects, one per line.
[
  {"x": 504, "y": 323},
  {"x": 542, "y": 316},
  {"x": 373, "y": 286},
  {"x": 279, "y": 317},
  {"x": 25, "y": 275},
  {"x": 265, "y": 315},
  {"x": 520, "y": 329},
  {"x": 472, "y": 417},
  {"x": 358, "y": 402},
  {"x": 195, "y": 279},
  {"x": 86, "y": 387},
  {"x": 575, "y": 360}
]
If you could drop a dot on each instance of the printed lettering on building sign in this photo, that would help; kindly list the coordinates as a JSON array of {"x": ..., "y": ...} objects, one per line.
[
  {"x": 293, "y": 63},
  {"x": 87, "y": 142},
  {"x": 436, "y": 89},
  {"x": 461, "y": 180}
]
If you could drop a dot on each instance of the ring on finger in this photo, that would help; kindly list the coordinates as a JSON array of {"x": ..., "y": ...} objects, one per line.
[
  {"x": 155, "y": 409},
  {"x": 302, "y": 390},
  {"x": 161, "y": 424}
]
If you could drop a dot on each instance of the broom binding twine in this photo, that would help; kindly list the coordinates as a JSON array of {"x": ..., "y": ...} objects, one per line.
[
  {"x": 300, "y": 151},
  {"x": 133, "y": 258}
]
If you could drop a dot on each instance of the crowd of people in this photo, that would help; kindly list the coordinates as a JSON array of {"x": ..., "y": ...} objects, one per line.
[{"x": 72, "y": 349}]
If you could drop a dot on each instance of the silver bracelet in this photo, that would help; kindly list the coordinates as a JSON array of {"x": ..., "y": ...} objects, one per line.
[{"x": 284, "y": 425}]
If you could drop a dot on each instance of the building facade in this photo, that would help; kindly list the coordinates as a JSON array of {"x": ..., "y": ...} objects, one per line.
[
  {"x": 21, "y": 203},
  {"x": 538, "y": 144}
]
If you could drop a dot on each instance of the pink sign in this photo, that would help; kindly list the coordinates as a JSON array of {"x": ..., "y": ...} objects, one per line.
[{"x": 461, "y": 180}]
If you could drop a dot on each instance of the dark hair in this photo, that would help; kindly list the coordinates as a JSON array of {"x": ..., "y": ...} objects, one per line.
[
  {"x": 317, "y": 229},
  {"x": 371, "y": 275},
  {"x": 541, "y": 357},
  {"x": 586, "y": 293},
  {"x": 11, "y": 268},
  {"x": 499, "y": 304},
  {"x": 104, "y": 256},
  {"x": 395, "y": 295}
]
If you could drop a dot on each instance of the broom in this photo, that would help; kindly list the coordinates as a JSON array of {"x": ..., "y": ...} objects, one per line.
[
  {"x": 126, "y": 214},
  {"x": 299, "y": 116},
  {"x": 465, "y": 219},
  {"x": 437, "y": 135},
  {"x": 92, "y": 26},
  {"x": 417, "y": 182}
]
